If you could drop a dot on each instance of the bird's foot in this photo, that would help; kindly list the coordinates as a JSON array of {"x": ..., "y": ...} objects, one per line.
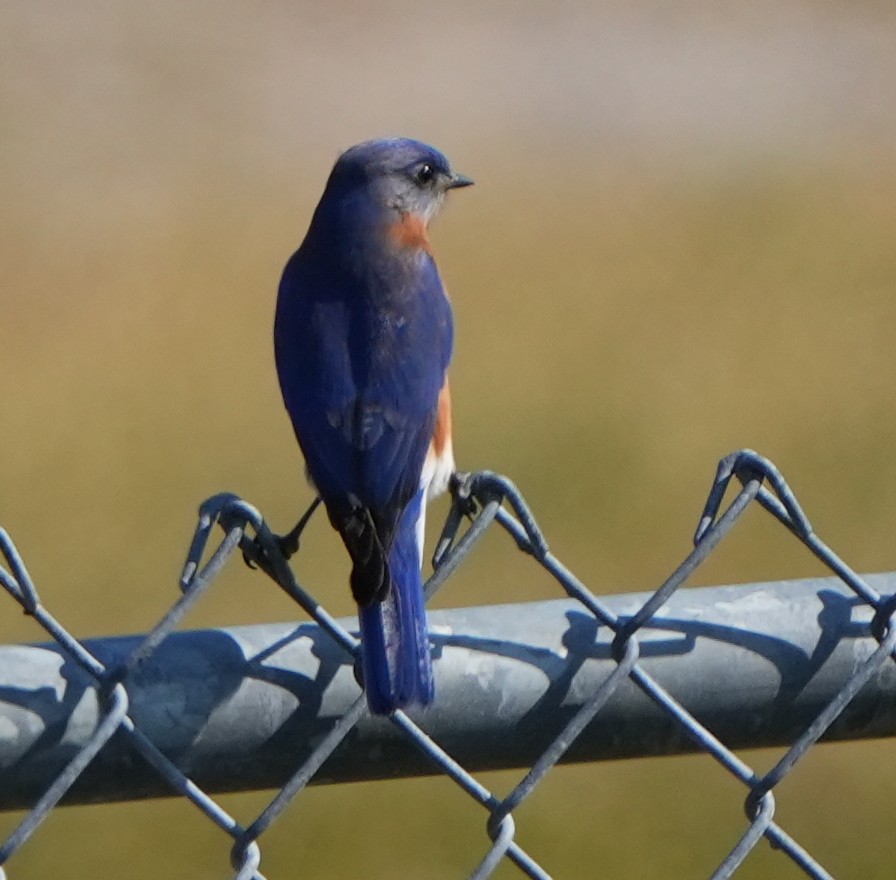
[
  {"x": 463, "y": 493},
  {"x": 255, "y": 555},
  {"x": 463, "y": 505}
]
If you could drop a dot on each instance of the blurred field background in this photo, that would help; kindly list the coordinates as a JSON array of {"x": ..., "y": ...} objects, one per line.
[{"x": 682, "y": 241}]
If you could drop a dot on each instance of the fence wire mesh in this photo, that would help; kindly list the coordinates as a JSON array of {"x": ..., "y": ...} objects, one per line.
[{"x": 480, "y": 501}]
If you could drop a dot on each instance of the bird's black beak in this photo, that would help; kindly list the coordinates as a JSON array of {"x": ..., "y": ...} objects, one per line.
[{"x": 456, "y": 181}]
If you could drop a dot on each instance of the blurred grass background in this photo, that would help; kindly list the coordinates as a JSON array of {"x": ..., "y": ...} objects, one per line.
[{"x": 682, "y": 241}]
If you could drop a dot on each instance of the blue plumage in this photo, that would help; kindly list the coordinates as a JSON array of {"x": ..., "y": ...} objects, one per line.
[
  {"x": 363, "y": 337},
  {"x": 394, "y": 645}
]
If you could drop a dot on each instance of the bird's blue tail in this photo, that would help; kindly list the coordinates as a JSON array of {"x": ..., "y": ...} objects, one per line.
[{"x": 394, "y": 643}]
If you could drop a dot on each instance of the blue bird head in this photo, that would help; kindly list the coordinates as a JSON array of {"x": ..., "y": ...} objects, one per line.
[{"x": 395, "y": 174}]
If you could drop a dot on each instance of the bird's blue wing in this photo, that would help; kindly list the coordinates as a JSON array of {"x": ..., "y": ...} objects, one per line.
[{"x": 360, "y": 377}]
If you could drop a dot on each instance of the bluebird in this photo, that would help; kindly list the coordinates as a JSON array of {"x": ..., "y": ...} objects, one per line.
[{"x": 363, "y": 337}]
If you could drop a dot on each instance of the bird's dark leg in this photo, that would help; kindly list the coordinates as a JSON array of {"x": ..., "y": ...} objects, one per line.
[
  {"x": 254, "y": 555},
  {"x": 289, "y": 543}
]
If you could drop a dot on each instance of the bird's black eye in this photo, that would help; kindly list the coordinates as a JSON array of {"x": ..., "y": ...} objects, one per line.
[{"x": 426, "y": 174}]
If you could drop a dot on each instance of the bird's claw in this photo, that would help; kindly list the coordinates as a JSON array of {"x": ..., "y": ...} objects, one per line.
[
  {"x": 252, "y": 551},
  {"x": 255, "y": 555},
  {"x": 463, "y": 491}
]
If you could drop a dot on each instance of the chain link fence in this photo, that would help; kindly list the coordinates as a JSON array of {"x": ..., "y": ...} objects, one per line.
[{"x": 125, "y": 701}]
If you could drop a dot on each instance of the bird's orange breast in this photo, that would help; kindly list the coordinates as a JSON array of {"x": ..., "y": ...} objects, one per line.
[{"x": 410, "y": 232}]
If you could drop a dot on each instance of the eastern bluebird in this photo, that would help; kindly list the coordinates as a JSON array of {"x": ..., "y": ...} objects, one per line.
[{"x": 363, "y": 337}]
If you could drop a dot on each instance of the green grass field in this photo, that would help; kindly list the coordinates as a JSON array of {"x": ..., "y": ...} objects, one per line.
[{"x": 621, "y": 325}]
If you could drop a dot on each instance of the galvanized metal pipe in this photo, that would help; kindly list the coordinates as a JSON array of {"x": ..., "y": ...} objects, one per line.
[{"x": 241, "y": 707}]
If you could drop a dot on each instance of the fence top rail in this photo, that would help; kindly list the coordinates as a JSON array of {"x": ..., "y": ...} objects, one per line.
[{"x": 241, "y": 706}]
